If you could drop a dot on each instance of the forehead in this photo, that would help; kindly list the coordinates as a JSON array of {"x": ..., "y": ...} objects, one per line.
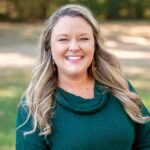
[{"x": 68, "y": 24}]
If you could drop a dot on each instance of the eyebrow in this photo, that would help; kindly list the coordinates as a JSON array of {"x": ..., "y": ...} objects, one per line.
[
  {"x": 83, "y": 34},
  {"x": 62, "y": 35}
]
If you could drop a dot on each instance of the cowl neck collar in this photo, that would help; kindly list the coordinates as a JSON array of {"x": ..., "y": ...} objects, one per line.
[{"x": 81, "y": 105}]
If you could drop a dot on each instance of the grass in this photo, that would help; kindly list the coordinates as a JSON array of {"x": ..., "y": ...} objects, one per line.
[
  {"x": 140, "y": 81},
  {"x": 145, "y": 98},
  {"x": 12, "y": 86}
]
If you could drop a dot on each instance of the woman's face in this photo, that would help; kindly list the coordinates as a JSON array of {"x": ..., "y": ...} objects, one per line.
[{"x": 72, "y": 46}]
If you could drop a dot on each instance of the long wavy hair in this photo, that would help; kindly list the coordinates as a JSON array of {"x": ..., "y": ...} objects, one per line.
[{"x": 104, "y": 68}]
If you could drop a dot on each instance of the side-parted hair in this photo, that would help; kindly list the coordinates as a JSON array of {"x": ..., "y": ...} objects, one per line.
[{"x": 104, "y": 68}]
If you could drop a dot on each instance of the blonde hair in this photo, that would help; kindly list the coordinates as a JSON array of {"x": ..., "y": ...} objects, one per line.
[{"x": 104, "y": 68}]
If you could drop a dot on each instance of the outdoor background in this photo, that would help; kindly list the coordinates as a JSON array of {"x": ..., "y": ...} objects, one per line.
[{"x": 125, "y": 27}]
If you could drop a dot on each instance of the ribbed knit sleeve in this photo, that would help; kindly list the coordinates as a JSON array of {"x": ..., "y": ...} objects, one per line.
[
  {"x": 142, "y": 131},
  {"x": 28, "y": 142}
]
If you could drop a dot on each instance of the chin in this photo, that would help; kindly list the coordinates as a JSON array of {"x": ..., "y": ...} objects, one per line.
[{"x": 76, "y": 73}]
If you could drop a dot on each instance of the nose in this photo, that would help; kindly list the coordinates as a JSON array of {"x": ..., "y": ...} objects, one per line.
[{"x": 74, "y": 46}]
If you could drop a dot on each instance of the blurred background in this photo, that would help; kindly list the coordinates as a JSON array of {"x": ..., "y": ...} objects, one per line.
[{"x": 125, "y": 27}]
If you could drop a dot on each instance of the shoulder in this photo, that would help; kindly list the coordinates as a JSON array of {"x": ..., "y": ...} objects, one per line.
[
  {"x": 23, "y": 114},
  {"x": 24, "y": 124},
  {"x": 131, "y": 87}
]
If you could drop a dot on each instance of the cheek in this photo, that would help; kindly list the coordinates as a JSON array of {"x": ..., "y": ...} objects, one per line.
[
  {"x": 55, "y": 48},
  {"x": 57, "y": 53},
  {"x": 89, "y": 49},
  {"x": 91, "y": 52}
]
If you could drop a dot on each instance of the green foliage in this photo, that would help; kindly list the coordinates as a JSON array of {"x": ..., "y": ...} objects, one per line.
[
  {"x": 109, "y": 9},
  {"x": 103, "y": 9},
  {"x": 29, "y": 10}
]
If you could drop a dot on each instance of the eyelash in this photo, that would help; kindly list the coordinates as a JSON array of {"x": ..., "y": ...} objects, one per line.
[
  {"x": 63, "y": 40},
  {"x": 85, "y": 39},
  {"x": 82, "y": 39}
]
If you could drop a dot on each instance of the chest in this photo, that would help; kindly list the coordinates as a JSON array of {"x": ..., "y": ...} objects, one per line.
[{"x": 108, "y": 128}]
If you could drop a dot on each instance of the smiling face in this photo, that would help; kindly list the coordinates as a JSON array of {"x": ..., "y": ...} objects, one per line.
[{"x": 72, "y": 46}]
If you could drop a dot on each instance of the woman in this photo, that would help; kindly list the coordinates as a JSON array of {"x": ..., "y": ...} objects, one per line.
[{"x": 78, "y": 98}]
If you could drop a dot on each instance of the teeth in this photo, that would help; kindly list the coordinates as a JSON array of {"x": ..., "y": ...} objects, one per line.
[{"x": 74, "y": 57}]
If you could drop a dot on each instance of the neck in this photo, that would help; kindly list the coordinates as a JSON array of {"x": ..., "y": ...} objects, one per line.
[{"x": 75, "y": 83}]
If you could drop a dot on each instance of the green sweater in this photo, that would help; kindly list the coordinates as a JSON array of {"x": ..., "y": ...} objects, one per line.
[{"x": 99, "y": 123}]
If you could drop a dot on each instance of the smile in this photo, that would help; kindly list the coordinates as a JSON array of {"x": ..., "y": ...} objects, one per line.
[{"x": 74, "y": 57}]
